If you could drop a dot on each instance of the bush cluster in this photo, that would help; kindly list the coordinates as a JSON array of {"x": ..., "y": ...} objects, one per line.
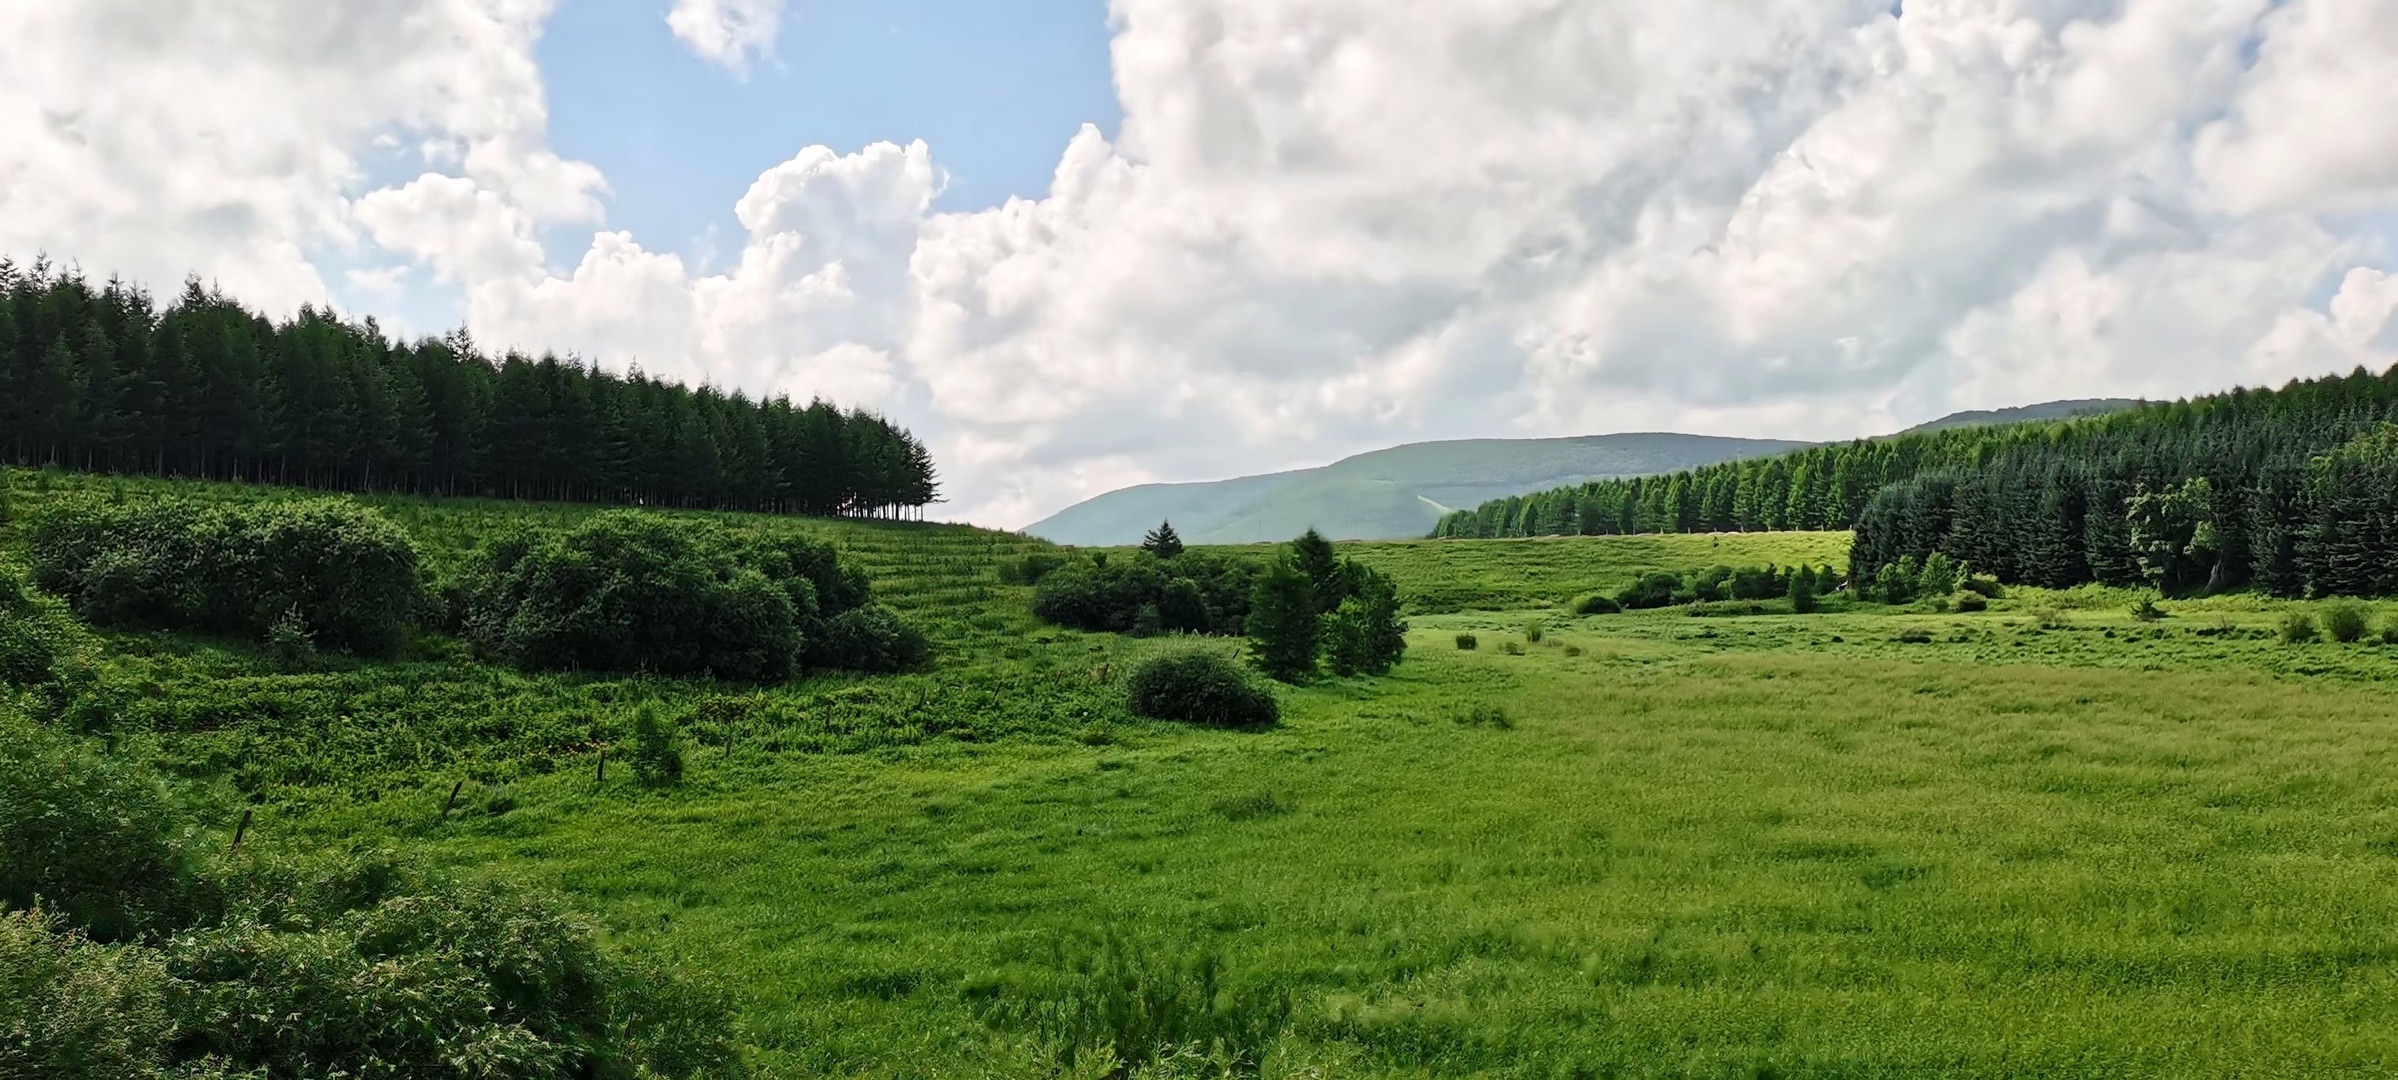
[
  {"x": 1659, "y": 588},
  {"x": 344, "y": 572},
  {"x": 42, "y": 647},
  {"x": 1197, "y": 686},
  {"x": 1194, "y": 592},
  {"x": 127, "y": 953},
  {"x": 629, "y": 591}
]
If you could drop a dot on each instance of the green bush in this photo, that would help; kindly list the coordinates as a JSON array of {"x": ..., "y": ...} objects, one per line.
[
  {"x": 1200, "y": 592},
  {"x": 2298, "y": 628},
  {"x": 42, "y": 647},
  {"x": 74, "y": 1010},
  {"x": 657, "y": 760},
  {"x": 1595, "y": 604},
  {"x": 1468, "y": 642},
  {"x": 2346, "y": 621},
  {"x": 1195, "y": 686},
  {"x": 1655, "y": 589},
  {"x": 282, "y": 966},
  {"x": 1030, "y": 569},
  {"x": 8, "y": 504},
  {"x": 1967, "y": 603},
  {"x": 2147, "y": 610},
  {"x": 1534, "y": 631},
  {"x": 2389, "y": 631},
  {"x": 1985, "y": 586},
  {"x": 95, "y": 841},
  {"x": 347, "y": 571},
  {"x": 626, "y": 590},
  {"x": 872, "y": 638}
]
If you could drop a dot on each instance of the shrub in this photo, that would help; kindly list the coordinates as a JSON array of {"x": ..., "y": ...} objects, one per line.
[
  {"x": 2147, "y": 610},
  {"x": 2345, "y": 621},
  {"x": 872, "y": 639},
  {"x": 1030, "y": 569},
  {"x": 1969, "y": 602},
  {"x": 626, "y": 590},
  {"x": 8, "y": 505},
  {"x": 1915, "y": 637},
  {"x": 93, "y": 840},
  {"x": 2389, "y": 631},
  {"x": 1985, "y": 586},
  {"x": 657, "y": 761},
  {"x": 1204, "y": 593},
  {"x": 1512, "y": 648},
  {"x": 42, "y": 648},
  {"x": 1655, "y": 589},
  {"x": 290, "y": 643},
  {"x": 2298, "y": 628},
  {"x": 1595, "y": 604},
  {"x": 1195, "y": 686},
  {"x": 347, "y": 572},
  {"x": 1485, "y": 715},
  {"x": 74, "y": 1010},
  {"x": 1468, "y": 642},
  {"x": 1534, "y": 631}
]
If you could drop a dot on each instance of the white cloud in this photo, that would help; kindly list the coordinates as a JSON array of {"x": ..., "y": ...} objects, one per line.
[
  {"x": 157, "y": 137},
  {"x": 728, "y": 32},
  {"x": 1329, "y": 225}
]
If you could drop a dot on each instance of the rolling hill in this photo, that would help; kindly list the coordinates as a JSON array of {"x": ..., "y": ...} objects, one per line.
[{"x": 1386, "y": 494}]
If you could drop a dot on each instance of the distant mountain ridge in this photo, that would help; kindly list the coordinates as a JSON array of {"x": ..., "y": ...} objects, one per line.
[
  {"x": 1402, "y": 492},
  {"x": 1385, "y": 494},
  {"x": 2047, "y": 410}
]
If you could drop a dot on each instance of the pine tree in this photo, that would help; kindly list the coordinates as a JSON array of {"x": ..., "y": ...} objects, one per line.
[
  {"x": 1314, "y": 557},
  {"x": 1162, "y": 542},
  {"x": 1283, "y": 623}
]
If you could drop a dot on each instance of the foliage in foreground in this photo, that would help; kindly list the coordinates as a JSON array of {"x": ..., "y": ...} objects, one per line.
[{"x": 126, "y": 954}]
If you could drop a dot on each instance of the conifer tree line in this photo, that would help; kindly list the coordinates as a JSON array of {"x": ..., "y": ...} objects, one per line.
[
  {"x": 2293, "y": 491},
  {"x": 105, "y": 379}
]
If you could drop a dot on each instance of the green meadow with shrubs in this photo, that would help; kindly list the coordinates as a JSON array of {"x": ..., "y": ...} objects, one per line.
[{"x": 295, "y": 784}]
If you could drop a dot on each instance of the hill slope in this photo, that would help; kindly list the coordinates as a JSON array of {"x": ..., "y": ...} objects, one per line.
[
  {"x": 1384, "y": 495},
  {"x": 2046, "y": 410}
]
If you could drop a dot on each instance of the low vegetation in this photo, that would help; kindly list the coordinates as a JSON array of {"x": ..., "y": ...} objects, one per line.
[{"x": 1725, "y": 837}]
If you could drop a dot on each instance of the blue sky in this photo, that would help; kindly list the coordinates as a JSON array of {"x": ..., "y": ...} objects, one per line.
[{"x": 997, "y": 87}]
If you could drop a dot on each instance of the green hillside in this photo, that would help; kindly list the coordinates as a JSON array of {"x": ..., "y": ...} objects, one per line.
[
  {"x": 1383, "y": 495},
  {"x": 1709, "y": 840}
]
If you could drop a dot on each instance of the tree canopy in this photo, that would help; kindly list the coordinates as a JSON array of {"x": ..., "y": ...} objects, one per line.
[{"x": 103, "y": 379}]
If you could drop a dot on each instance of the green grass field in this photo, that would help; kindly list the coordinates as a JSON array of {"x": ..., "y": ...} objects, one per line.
[{"x": 2044, "y": 840}]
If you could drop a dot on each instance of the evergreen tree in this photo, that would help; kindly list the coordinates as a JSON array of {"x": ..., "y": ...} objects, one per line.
[
  {"x": 1313, "y": 556},
  {"x": 1162, "y": 542},
  {"x": 1283, "y": 623}
]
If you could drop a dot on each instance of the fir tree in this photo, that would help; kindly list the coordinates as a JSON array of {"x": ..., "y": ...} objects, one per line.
[
  {"x": 1162, "y": 542},
  {"x": 1314, "y": 557},
  {"x": 1283, "y": 623}
]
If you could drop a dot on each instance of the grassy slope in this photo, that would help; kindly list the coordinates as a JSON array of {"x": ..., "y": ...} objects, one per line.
[
  {"x": 1704, "y": 846},
  {"x": 1453, "y": 575}
]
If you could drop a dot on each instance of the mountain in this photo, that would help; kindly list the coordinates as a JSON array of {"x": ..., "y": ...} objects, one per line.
[
  {"x": 1386, "y": 494},
  {"x": 2047, "y": 410}
]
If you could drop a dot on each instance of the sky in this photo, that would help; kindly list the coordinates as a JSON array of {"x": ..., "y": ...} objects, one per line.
[{"x": 1077, "y": 245}]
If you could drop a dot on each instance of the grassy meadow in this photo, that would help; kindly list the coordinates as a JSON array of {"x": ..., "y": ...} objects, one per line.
[{"x": 2049, "y": 839}]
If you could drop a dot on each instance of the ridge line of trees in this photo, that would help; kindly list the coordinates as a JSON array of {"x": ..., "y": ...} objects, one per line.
[{"x": 104, "y": 379}]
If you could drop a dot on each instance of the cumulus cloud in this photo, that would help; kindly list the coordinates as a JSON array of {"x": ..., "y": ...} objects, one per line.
[
  {"x": 1331, "y": 225},
  {"x": 156, "y": 137},
  {"x": 728, "y": 32}
]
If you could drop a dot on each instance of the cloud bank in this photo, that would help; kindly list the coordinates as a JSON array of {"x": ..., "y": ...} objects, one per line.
[{"x": 1330, "y": 225}]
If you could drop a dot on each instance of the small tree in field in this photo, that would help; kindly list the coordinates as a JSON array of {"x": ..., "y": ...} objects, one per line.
[
  {"x": 1802, "y": 591},
  {"x": 1314, "y": 557},
  {"x": 1283, "y": 623},
  {"x": 1162, "y": 541}
]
